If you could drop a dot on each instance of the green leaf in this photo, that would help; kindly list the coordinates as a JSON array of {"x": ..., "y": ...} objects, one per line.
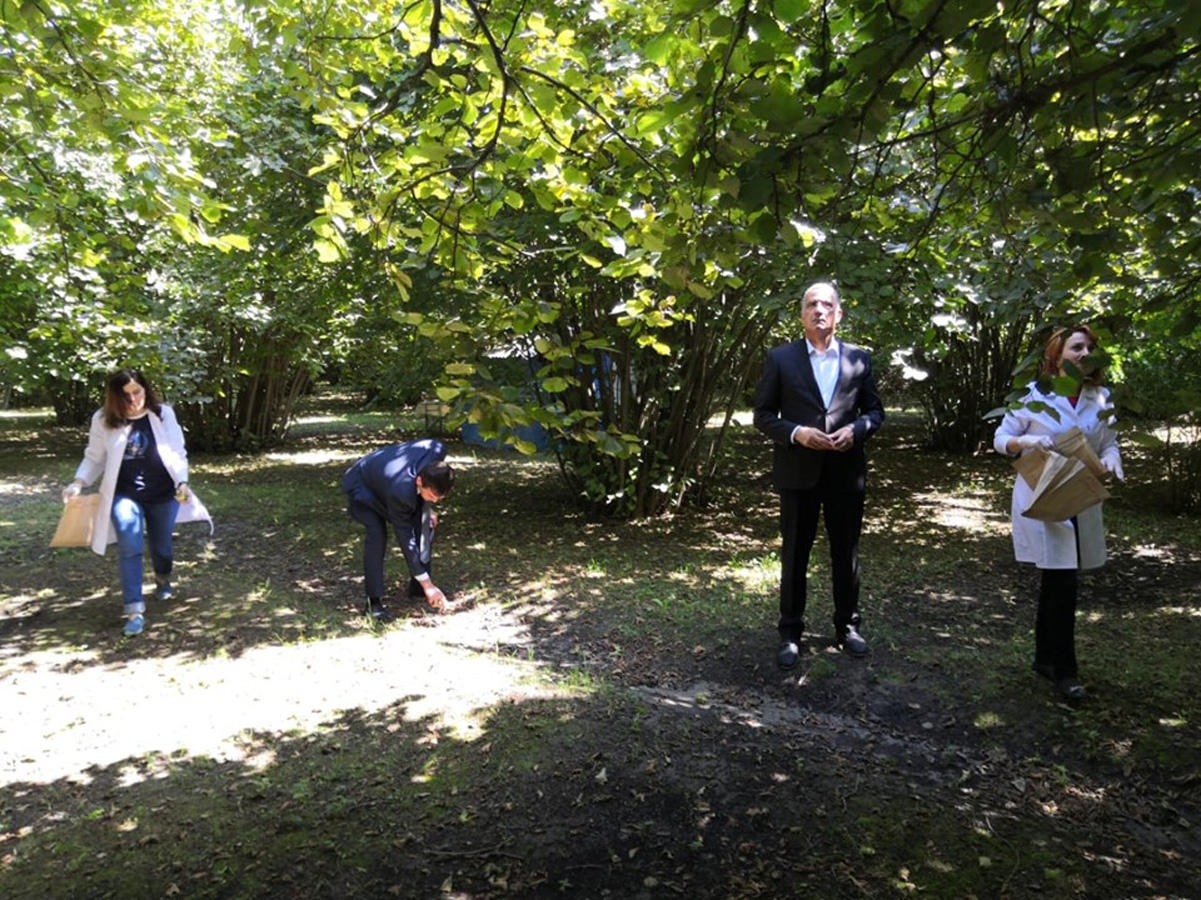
[
  {"x": 789, "y": 11},
  {"x": 236, "y": 241},
  {"x": 327, "y": 251},
  {"x": 659, "y": 48}
]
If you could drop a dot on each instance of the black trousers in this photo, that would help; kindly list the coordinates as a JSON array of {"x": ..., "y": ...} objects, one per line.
[
  {"x": 376, "y": 543},
  {"x": 1055, "y": 623},
  {"x": 799, "y": 515}
]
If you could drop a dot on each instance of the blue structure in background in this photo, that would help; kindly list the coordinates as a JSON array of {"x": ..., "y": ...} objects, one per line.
[{"x": 535, "y": 434}]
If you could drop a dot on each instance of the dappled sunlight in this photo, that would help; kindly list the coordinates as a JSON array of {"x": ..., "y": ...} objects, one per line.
[
  {"x": 17, "y": 607},
  {"x": 743, "y": 418},
  {"x": 324, "y": 456},
  {"x": 755, "y": 574},
  {"x": 310, "y": 457},
  {"x": 27, "y": 417},
  {"x": 1146, "y": 551},
  {"x": 690, "y": 578},
  {"x": 988, "y": 719},
  {"x": 25, "y": 488},
  {"x": 301, "y": 421},
  {"x": 963, "y": 513},
  {"x": 205, "y": 707},
  {"x": 598, "y": 689}
]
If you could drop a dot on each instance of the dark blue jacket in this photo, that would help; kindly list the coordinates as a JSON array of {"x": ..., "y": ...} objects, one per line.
[{"x": 386, "y": 481}]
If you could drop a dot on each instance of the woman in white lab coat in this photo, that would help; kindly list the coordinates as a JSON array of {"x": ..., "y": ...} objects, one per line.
[
  {"x": 136, "y": 448},
  {"x": 1060, "y": 550}
]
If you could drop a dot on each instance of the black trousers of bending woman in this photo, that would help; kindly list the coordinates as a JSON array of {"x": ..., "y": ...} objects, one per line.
[{"x": 1055, "y": 624}]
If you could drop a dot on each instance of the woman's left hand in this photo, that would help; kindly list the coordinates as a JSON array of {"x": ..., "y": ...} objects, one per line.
[{"x": 1113, "y": 466}]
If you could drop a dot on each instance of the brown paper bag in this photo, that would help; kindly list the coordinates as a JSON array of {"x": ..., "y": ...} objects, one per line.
[
  {"x": 1030, "y": 465},
  {"x": 1073, "y": 443},
  {"x": 1066, "y": 487},
  {"x": 75, "y": 524}
]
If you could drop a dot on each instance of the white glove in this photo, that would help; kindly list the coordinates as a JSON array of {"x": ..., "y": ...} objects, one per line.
[
  {"x": 71, "y": 491},
  {"x": 1113, "y": 465},
  {"x": 1033, "y": 441}
]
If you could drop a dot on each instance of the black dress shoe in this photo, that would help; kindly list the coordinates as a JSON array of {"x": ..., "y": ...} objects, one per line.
[
  {"x": 852, "y": 641},
  {"x": 788, "y": 655},
  {"x": 1071, "y": 690},
  {"x": 377, "y": 611}
]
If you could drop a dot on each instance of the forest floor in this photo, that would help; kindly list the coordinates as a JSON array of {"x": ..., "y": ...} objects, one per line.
[{"x": 599, "y": 713}]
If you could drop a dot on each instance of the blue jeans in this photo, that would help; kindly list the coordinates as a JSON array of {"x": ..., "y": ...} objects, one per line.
[{"x": 135, "y": 524}]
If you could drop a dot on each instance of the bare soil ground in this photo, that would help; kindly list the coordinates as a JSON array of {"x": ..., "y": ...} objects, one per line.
[{"x": 598, "y": 715}]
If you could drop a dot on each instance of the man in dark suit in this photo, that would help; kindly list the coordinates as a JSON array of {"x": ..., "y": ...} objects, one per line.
[
  {"x": 398, "y": 485},
  {"x": 817, "y": 401}
]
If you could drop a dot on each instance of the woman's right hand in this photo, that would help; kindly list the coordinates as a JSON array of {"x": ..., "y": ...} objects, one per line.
[
  {"x": 71, "y": 491},
  {"x": 1034, "y": 441}
]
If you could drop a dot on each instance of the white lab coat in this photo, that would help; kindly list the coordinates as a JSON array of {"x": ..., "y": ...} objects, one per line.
[
  {"x": 103, "y": 455},
  {"x": 1053, "y": 545}
]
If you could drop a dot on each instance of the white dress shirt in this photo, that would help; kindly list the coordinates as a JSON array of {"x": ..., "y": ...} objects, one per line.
[{"x": 825, "y": 368}]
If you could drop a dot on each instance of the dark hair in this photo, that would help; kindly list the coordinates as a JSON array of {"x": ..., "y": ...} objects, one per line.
[
  {"x": 439, "y": 477},
  {"x": 1053, "y": 354},
  {"x": 114, "y": 396}
]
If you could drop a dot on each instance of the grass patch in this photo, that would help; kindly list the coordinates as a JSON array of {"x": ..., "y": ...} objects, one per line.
[{"x": 601, "y": 714}]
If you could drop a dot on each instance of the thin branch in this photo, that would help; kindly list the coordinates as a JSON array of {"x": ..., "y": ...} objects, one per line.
[{"x": 613, "y": 129}]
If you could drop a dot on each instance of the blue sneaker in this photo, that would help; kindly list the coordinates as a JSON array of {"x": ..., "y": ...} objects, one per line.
[
  {"x": 163, "y": 589},
  {"x": 134, "y": 625}
]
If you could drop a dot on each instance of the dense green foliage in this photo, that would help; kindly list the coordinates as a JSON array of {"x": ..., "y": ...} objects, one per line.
[{"x": 628, "y": 195}]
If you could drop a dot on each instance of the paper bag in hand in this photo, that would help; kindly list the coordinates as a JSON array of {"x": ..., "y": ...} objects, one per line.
[
  {"x": 1030, "y": 465},
  {"x": 1074, "y": 444},
  {"x": 1065, "y": 488},
  {"x": 75, "y": 525}
]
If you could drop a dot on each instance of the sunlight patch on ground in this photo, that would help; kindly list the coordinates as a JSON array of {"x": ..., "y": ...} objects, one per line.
[
  {"x": 965, "y": 513},
  {"x": 751, "y": 574},
  {"x": 510, "y": 462},
  {"x": 1152, "y": 551},
  {"x": 62, "y": 718},
  {"x": 745, "y": 417},
  {"x": 321, "y": 457},
  {"x": 1191, "y": 611},
  {"x": 311, "y": 457},
  {"x": 21, "y": 489},
  {"x": 317, "y": 420},
  {"x": 38, "y": 414}
]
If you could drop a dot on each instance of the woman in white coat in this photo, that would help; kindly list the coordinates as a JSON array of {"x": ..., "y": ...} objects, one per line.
[
  {"x": 136, "y": 448},
  {"x": 1060, "y": 549}
]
